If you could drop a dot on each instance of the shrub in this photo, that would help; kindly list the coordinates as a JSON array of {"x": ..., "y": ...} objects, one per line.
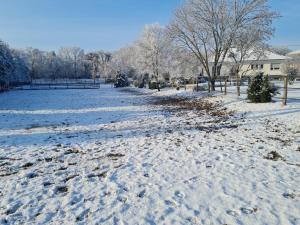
[
  {"x": 260, "y": 89},
  {"x": 136, "y": 83},
  {"x": 153, "y": 85},
  {"x": 121, "y": 81}
]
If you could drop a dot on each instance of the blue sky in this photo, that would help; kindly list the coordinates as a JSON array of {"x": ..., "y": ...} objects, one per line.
[{"x": 108, "y": 24}]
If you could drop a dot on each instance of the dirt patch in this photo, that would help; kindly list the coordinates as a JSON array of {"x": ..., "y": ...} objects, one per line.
[
  {"x": 200, "y": 106},
  {"x": 70, "y": 177},
  {"x": 115, "y": 155},
  {"x": 61, "y": 189},
  {"x": 27, "y": 165},
  {"x": 100, "y": 175},
  {"x": 273, "y": 155}
]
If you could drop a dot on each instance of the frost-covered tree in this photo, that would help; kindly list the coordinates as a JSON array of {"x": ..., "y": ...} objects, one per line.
[
  {"x": 249, "y": 44},
  {"x": 74, "y": 58},
  {"x": 182, "y": 65},
  {"x": 104, "y": 61},
  {"x": 6, "y": 62},
  {"x": 208, "y": 28},
  {"x": 291, "y": 67},
  {"x": 53, "y": 65},
  {"x": 34, "y": 58},
  {"x": 21, "y": 73},
  {"x": 124, "y": 61},
  {"x": 152, "y": 51},
  {"x": 94, "y": 61}
]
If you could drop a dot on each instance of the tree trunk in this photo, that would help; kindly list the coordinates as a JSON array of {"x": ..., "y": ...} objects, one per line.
[
  {"x": 225, "y": 90},
  {"x": 212, "y": 85},
  {"x": 157, "y": 81},
  {"x": 238, "y": 85}
]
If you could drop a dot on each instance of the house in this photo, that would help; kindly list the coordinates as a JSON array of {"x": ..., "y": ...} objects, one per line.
[{"x": 269, "y": 63}]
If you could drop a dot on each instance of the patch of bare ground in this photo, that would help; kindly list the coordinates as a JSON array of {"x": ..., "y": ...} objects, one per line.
[
  {"x": 275, "y": 156},
  {"x": 200, "y": 106}
]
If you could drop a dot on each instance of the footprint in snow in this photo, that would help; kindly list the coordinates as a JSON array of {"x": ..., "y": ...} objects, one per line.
[
  {"x": 142, "y": 194},
  {"x": 232, "y": 213},
  {"x": 179, "y": 194},
  {"x": 248, "y": 210},
  {"x": 32, "y": 175},
  {"x": 289, "y": 195},
  {"x": 83, "y": 215},
  {"x": 170, "y": 203},
  {"x": 13, "y": 208},
  {"x": 60, "y": 190}
]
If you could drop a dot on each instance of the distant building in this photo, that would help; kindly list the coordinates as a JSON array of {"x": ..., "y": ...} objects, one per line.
[{"x": 269, "y": 64}]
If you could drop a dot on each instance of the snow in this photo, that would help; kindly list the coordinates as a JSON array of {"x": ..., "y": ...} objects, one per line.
[{"x": 106, "y": 156}]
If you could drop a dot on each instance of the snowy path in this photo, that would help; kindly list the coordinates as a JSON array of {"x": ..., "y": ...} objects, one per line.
[{"x": 106, "y": 157}]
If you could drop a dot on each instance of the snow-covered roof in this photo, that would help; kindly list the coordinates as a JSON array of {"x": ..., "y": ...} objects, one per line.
[
  {"x": 268, "y": 55},
  {"x": 273, "y": 56},
  {"x": 294, "y": 53}
]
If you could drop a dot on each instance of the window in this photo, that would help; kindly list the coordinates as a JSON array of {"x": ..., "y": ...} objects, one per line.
[
  {"x": 257, "y": 66},
  {"x": 275, "y": 66}
]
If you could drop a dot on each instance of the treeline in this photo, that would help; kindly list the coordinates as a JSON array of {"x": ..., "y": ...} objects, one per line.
[{"x": 20, "y": 66}]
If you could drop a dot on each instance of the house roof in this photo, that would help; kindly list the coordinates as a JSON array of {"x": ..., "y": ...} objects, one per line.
[
  {"x": 268, "y": 55},
  {"x": 294, "y": 53}
]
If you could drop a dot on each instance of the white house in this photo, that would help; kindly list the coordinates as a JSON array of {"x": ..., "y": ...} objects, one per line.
[{"x": 269, "y": 64}]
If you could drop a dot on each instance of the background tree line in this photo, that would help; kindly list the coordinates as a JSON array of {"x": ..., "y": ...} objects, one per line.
[{"x": 19, "y": 66}]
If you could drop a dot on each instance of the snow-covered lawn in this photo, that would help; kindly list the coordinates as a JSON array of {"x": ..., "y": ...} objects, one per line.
[{"x": 107, "y": 156}]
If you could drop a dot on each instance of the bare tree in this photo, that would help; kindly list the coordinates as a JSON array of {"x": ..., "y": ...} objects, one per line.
[
  {"x": 34, "y": 57},
  {"x": 291, "y": 68},
  {"x": 208, "y": 28},
  {"x": 248, "y": 45},
  {"x": 104, "y": 60},
  {"x": 93, "y": 59},
  {"x": 73, "y": 54},
  {"x": 53, "y": 64}
]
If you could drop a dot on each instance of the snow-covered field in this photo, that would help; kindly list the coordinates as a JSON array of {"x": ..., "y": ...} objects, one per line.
[{"x": 105, "y": 156}]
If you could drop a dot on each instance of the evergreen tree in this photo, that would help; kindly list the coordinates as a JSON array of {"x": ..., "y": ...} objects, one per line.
[
  {"x": 266, "y": 91},
  {"x": 260, "y": 89},
  {"x": 254, "y": 88},
  {"x": 121, "y": 81}
]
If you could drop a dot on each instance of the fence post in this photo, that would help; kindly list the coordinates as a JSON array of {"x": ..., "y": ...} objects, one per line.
[
  {"x": 285, "y": 91},
  {"x": 225, "y": 88}
]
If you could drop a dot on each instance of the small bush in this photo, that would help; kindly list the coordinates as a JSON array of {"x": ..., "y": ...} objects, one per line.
[
  {"x": 260, "y": 89},
  {"x": 153, "y": 85},
  {"x": 121, "y": 81},
  {"x": 136, "y": 83}
]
